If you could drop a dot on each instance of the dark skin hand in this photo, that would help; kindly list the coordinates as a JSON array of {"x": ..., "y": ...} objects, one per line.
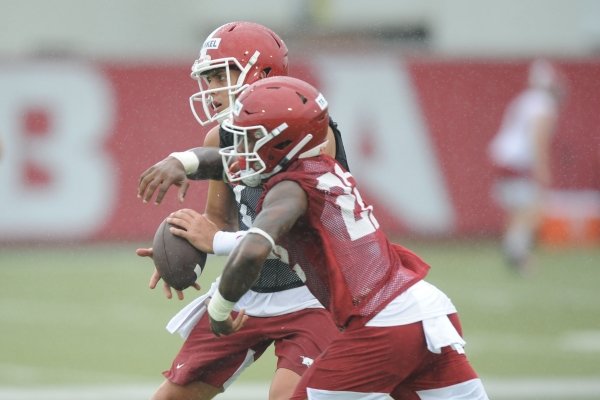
[
  {"x": 162, "y": 175},
  {"x": 285, "y": 203}
]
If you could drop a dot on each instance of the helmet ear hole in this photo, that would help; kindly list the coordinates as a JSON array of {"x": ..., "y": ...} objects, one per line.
[{"x": 283, "y": 145}]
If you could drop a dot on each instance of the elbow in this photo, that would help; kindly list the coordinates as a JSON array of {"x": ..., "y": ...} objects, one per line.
[
  {"x": 245, "y": 263},
  {"x": 255, "y": 256}
]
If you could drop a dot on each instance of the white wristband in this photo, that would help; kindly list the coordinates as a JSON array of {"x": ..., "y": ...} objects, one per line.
[
  {"x": 188, "y": 159},
  {"x": 225, "y": 242},
  {"x": 219, "y": 308}
]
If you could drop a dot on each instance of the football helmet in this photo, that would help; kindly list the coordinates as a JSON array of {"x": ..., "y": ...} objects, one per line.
[
  {"x": 274, "y": 122},
  {"x": 253, "y": 49}
]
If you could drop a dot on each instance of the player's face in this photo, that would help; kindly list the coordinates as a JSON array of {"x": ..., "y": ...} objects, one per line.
[
  {"x": 242, "y": 161},
  {"x": 216, "y": 79},
  {"x": 253, "y": 136},
  {"x": 246, "y": 145}
]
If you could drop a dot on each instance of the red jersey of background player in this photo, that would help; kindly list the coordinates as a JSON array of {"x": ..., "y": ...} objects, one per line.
[{"x": 340, "y": 222}]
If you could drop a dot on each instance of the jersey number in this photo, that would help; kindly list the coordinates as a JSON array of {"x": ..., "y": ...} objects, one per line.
[{"x": 348, "y": 202}]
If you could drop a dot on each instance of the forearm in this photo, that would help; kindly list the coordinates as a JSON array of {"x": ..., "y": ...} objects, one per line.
[
  {"x": 245, "y": 263},
  {"x": 242, "y": 269},
  {"x": 201, "y": 163},
  {"x": 221, "y": 207}
]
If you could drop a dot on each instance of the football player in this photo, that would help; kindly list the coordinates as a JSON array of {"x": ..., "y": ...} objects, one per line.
[
  {"x": 281, "y": 309},
  {"x": 520, "y": 153},
  {"x": 401, "y": 336}
]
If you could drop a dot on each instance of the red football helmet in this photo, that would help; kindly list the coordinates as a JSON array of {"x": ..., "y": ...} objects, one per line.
[
  {"x": 253, "y": 49},
  {"x": 274, "y": 122}
]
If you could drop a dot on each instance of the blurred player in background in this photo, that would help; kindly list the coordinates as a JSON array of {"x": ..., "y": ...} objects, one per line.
[
  {"x": 520, "y": 152},
  {"x": 400, "y": 334},
  {"x": 282, "y": 309}
]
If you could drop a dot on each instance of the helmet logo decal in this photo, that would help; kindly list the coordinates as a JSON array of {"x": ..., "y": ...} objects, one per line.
[
  {"x": 321, "y": 101},
  {"x": 212, "y": 43}
]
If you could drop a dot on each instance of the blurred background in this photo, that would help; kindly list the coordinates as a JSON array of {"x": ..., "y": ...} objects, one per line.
[{"x": 94, "y": 92}]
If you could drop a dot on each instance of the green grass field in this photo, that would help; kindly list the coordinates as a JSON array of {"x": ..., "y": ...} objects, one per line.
[{"x": 85, "y": 316}]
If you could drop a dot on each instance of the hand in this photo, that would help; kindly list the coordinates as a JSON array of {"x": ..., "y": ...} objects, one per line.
[
  {"x": 161, "y": 176},
  {"x": 228, "y": 326},
  {"x": 197, "y": 229},
  {"x": 155, "y": 278}
]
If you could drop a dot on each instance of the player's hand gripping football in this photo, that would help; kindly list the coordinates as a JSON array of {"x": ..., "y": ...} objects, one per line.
[
  {"x": 228, "y": 326},
  {"x": 197, "y": 229},
  {"x": 160, "y": 177},
  {"x": 155, "y": 278}
]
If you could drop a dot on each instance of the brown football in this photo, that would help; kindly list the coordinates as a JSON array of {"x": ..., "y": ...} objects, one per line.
[{"x": 177, "y": 261}]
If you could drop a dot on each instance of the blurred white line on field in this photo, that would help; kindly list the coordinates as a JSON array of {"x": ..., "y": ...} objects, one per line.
[
  {"x": 498, "y": 389},
  {"x": 581, "y": 341}
]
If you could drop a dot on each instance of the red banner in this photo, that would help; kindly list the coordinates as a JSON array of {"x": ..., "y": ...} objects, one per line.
[{"x": 76, "y": 136}]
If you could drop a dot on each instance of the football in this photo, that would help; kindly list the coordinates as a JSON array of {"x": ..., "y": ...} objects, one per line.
[{"x": 177, "y": 261}]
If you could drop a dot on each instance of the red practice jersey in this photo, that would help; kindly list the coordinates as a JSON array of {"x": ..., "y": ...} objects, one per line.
[{"x": 339, "y": 249}]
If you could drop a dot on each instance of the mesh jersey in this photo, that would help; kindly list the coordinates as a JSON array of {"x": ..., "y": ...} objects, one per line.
[
  {"x": 275, "y": 275},
  {"x": 348, "y": 263}
]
